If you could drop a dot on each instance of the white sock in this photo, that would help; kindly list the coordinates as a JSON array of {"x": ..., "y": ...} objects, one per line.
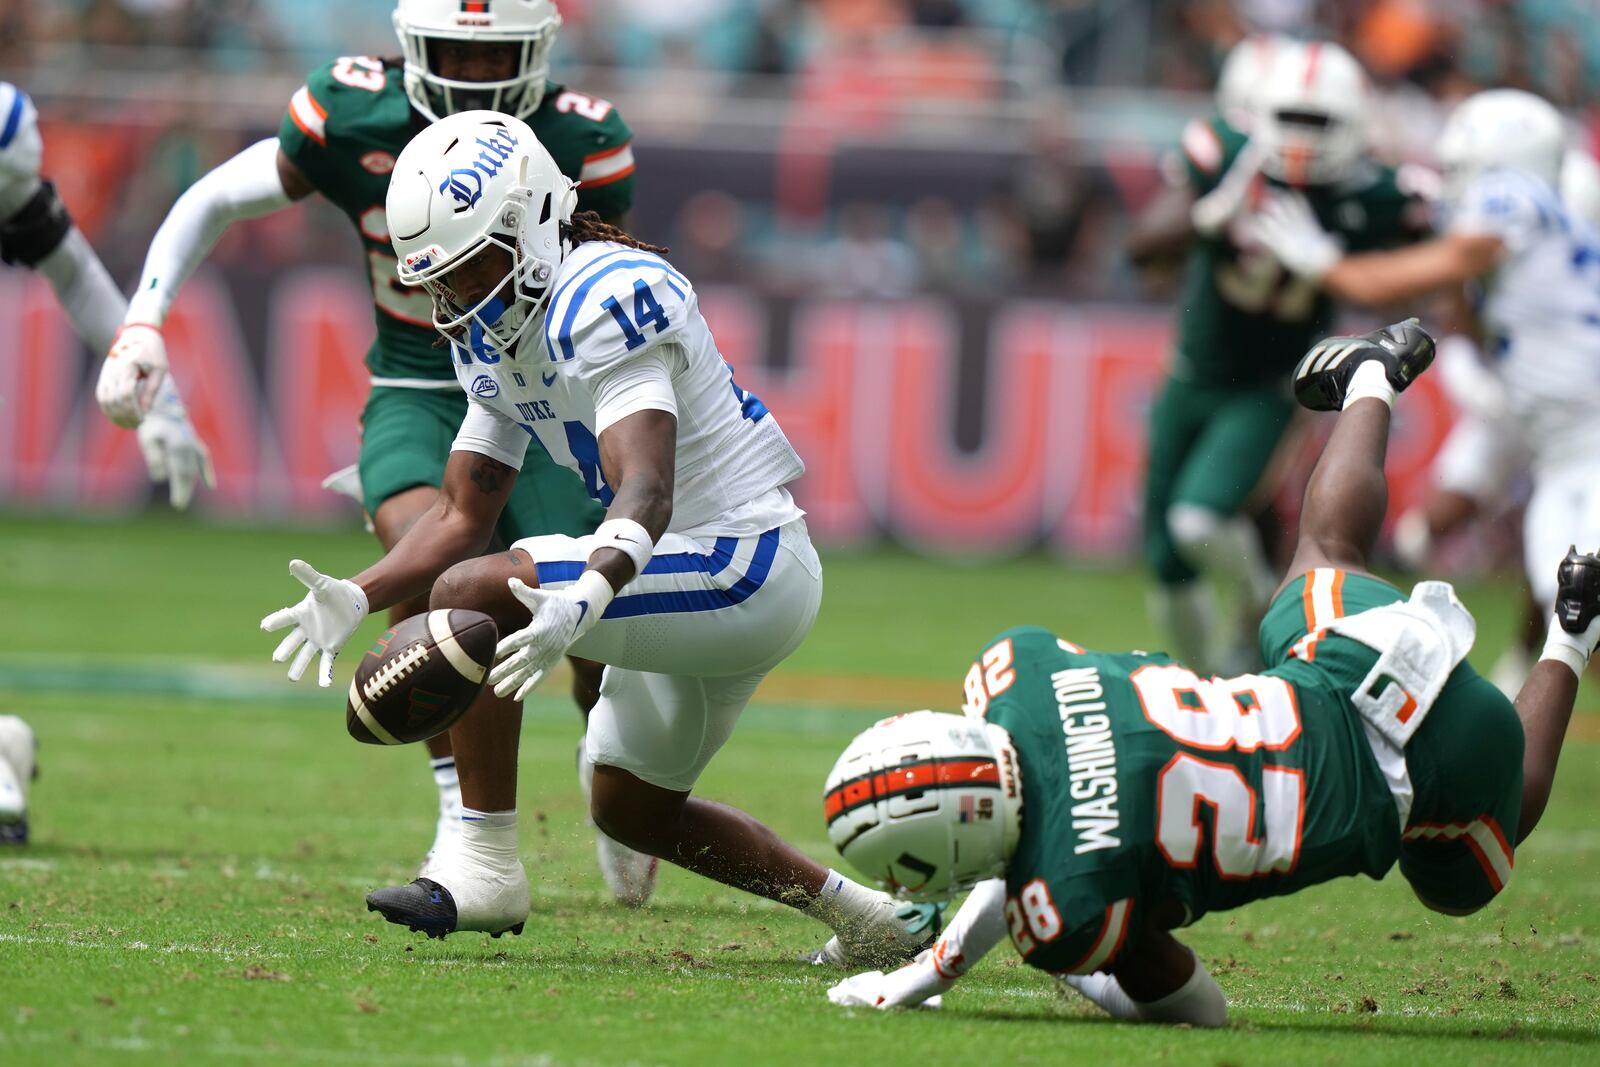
[
  {"x": 1413, "y": 541},
  {"x": 1226, "y": 546},
  {"x": 1185, "y": 613},
  {"x": 449, "y": 783},
  {"x": 490, "y": 835},
  {"x": 1369, "y": 380},
  {"x": 843, "y": 904}
]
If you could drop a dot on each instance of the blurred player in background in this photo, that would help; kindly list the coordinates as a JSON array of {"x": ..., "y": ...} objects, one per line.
[
  {"x": 571, "y": 334},
  {"x": 1219, "y": 418},
  {"x": 1537, "y": 266},
  {"x": 1480, "y": 471},
  {"x": 36, "y": 232},
  {"x": 342, "y": 133},
  {"x": 1120, "y": 796}
]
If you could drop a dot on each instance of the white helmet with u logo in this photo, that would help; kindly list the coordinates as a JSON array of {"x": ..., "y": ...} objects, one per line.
[{"x": 468, "y": 183}]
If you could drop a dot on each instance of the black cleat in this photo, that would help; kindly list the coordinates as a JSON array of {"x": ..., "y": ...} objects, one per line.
[
  {"x": 14, "y": 833},
  {"x": 1577, "y": 590},
  {"x": 423, "y": 907},
  {"x": 1323, "y": 376}
]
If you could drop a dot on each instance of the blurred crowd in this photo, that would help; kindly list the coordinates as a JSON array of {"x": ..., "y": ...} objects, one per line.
[{"x": 1044, "y": 215}]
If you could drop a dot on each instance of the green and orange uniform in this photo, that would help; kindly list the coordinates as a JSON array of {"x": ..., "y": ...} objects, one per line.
[
  {"x": 343, "y": 131},
  {"x": 1143, "y": 782}
]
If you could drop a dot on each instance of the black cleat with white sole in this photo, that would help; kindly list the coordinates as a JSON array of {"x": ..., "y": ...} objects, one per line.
[
  {"x": 424, "y": 907},
  {"x": 1323, "y": 376},
  {"x": 1578, "y": 591}
]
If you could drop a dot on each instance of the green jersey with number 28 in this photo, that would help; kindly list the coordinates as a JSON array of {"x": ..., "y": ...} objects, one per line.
[
  {"x": 346, "y": 126},
  {"x": 1142, "y": 783},
  {"x": 1245, "y": 320}
]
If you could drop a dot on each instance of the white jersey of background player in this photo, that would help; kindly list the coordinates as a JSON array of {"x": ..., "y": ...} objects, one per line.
[
  {"x": 1538, "y": 266},
  {"x": 700, "y": 581},
  {"x": 37, "y": 232}
]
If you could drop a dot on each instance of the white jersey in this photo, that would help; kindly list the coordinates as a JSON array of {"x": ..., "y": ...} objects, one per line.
[
  {"x": 1541, "y": 310},
  {"x": 615, "y": 310}
]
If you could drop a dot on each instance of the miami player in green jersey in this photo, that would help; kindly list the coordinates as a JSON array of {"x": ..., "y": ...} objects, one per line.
[
  {"x": 1100, "y": 800},
  {"x": 1221, "y": 414},
  {"x": 341, "y": 135}
]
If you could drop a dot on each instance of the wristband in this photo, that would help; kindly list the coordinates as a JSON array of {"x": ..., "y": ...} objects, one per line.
[
  {"x": 36, "y": 229},
  {"x": 627, "y": 537},
  {"x": 1566, "y": 648}
]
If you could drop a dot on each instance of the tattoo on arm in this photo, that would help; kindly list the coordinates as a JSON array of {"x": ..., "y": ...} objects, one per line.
[{"x": 490, "y": 476}]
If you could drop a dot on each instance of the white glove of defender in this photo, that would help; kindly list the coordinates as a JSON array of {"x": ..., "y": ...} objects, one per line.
[
  {"x": 1212, "y": 213},
  {"x": 132, "y": 374},
  {"x": 560, "y": 617},
  {"x": 1288, "y": 228},
  {"x": 322, "y": 622},
  {"x": 173, "y": 451},
  {"x": 916, "y": 985}
]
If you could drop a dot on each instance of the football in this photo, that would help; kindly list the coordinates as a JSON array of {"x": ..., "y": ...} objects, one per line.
[{"x": 420, "y": 677}]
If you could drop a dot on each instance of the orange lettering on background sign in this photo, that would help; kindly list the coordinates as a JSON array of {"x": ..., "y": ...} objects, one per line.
[
  {"x": 1126, "y": 356},
  {"x": 934, "y": 495},
  {"x": 38, "y": 381},
  {"x": 321, "y": 329}
]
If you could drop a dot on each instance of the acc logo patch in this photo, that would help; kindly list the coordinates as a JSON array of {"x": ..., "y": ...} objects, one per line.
[
  {"x": 377, "y": 162},
  {"x": 423, "y": 258},
  {"x": 485, "y": 387}
]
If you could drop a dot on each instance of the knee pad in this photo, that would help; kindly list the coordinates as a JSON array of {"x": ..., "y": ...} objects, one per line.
[{"x": 36, "y": 230}]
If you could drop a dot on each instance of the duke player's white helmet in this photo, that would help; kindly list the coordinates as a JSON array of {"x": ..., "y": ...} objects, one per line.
[
  {"x": 1311, "y": 116},
  {"x": 467, "y": 183},
  {"x": 1244, "y": 72},
  {"x": 1501, "y": 128},
  {"x": 1580, "y": 185},
  {"x": 926, "y": 804},
  {"x": 529, "y": 24}
]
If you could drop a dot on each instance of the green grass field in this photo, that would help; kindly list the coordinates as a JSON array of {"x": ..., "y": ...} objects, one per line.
[{"x": 205, "y": 832}]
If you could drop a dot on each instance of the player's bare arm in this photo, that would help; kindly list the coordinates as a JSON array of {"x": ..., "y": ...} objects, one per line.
[
  {"x": 1406, "y": 273},
  {"x": 457, "y": 526},
  {"x": 1289, "y": 229},
  {"x": 637, "y": 455}
]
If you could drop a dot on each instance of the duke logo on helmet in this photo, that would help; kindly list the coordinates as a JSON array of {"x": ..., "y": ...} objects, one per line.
[{"x": 457, "y": 185}]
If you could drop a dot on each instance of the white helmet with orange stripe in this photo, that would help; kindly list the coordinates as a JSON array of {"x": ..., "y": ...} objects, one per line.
[
  {"x": 526, "y": 26},
  {"x": 926, "y": 804},
  {"x": 1312, "y": 115},
  {"x": 1245, "y": 71}
]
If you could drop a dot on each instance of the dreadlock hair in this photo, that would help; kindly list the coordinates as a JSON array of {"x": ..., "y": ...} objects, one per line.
[{"x": 589, "y": 226}]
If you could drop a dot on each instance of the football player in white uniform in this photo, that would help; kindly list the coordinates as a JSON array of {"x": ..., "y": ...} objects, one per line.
[
  {"x": 570, "y": 336},
  {"x": 38, "y": 233},
  {"x": 1539, "y": 265}
]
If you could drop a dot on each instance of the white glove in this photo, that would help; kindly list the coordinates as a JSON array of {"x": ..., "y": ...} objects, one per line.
[
  {"x": 916, "y": 985},
  {"x": 322, "y": 622},
  {"x": 19, "y": 160},
  {"x": 560, "y": 617},
  {"x": 1212, "y": 213},
  {"x": 132, "y": 373},
  {"x": 1288, "y": 228},
  {"x": 173, "y": 452}
]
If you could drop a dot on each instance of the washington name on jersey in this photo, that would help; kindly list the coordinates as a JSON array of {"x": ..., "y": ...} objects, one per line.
[{"x": 610, "y": 306}]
